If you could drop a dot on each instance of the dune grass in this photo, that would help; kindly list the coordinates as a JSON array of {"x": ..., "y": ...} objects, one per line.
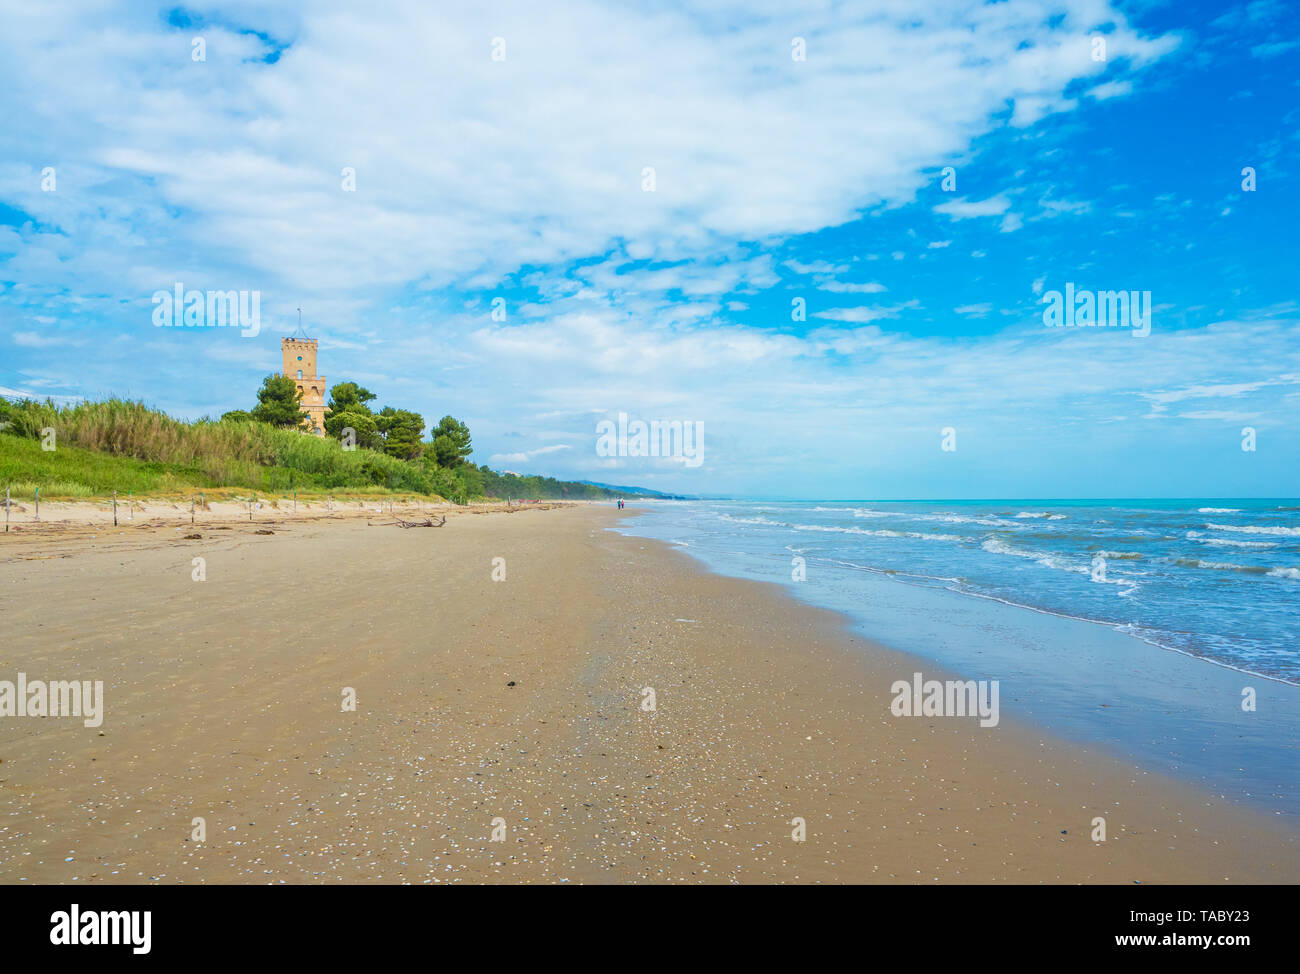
[
  {"x": 73, "y": 472},
  {"x": 118, "y": 445}
]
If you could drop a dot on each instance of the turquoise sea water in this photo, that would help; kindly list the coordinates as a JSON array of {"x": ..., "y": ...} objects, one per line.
[{"x": 1150, "y": 618}]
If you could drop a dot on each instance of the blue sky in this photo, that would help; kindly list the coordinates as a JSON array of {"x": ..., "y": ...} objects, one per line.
[{"x": 775, "y": 179}]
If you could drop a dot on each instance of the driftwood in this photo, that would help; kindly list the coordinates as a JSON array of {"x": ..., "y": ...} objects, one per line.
[{"x": 426, "y": 523}]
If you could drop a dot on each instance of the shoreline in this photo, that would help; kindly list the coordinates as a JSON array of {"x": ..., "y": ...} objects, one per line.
[
  {"x": 1089, "y": 682},
  {"x": 1024, "y": 724},
  {"x": 522, "y": 699},
  {"x": 902, "y": 578}
]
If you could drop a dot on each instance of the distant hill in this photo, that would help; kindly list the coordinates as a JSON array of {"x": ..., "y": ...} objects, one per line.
[{"x": 640, "y": 491}]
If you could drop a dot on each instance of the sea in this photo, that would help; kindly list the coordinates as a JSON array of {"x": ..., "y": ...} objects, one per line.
[{"x": 1161, "y": 631}]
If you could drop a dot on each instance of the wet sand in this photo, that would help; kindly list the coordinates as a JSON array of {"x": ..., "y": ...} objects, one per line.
[{"x": 520, "y": 701}]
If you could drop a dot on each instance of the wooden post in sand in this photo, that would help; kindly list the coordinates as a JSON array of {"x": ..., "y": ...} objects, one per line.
[
  {"x": 295, "y": 502},
  {"x": 191, "y": 510},
  {"x": 130, "y": 505},
  {"x": 250, "y": 506},
  {"x": 38, "y": 503},
  {"x": 6, "y": 510},
  {"x": 114, "y": 508}
]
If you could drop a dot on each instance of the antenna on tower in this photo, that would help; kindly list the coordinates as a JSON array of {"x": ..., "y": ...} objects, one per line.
[{"x": 300, "y": 328}]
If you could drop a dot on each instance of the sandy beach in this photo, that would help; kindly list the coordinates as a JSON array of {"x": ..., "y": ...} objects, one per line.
[{"x": 515, "y": 705}]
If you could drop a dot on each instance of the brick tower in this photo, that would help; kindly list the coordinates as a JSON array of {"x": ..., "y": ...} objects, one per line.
[{"x": 300, "y": 365}]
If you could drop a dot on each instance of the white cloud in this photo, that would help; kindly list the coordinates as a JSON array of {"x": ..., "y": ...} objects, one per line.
[
  {"x": 1274, "y": 49},
  {"x": 526, "y": 456},
  {"x": 862, "y": 315},
  {"x": 963, "y": 209},
  {"x": 32, "y": 339},
  {"x": 10, "y": 393},
  {"x": 838, "y": 287},
  {"x": 468, "y": 169},
  {"x": 815, "y": 267},
  {"x": 1110, "y": 89},
  {"x": 1219, "y": 416},
  {"x": 1220, "y": 390},
  {"x": 1058, "y": 207},
  {"x": 851, "y": 389}
]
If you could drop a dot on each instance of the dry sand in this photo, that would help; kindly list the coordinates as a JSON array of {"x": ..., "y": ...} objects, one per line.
[
  {"x": 155, "y": 512},
  {"x": 223, "y": 701}
]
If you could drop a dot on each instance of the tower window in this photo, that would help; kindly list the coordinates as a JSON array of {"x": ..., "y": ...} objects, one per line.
[
  {"x": 299, "y": 358},
  {"x": 300, "y": 373}
]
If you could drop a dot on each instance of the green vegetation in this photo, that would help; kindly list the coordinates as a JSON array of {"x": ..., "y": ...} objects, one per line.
[
  {"x": 395, "y": 432},
  {"x": 450, "y": 442},
  {"x": 277, "y": 404},
  {"x": 511, "y": 487},
  {"x": 71, "y": 471},
  {"x": 127, "y": 446}
]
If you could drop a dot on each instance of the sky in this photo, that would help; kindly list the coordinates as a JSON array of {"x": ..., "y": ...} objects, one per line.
[{"x": 826, "y": 234}]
